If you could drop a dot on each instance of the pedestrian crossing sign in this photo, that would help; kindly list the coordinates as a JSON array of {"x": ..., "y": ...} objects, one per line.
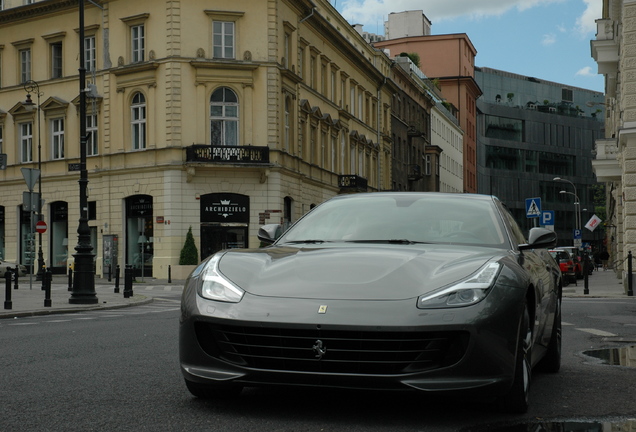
[{"x": 533, "y": 207}]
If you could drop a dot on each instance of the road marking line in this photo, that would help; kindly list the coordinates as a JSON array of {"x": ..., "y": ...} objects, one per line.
[
  {"x": 566, "y": 323},
  {"x": 597, "y": 332}
]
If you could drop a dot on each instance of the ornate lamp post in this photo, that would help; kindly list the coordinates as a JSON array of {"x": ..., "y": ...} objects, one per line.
[
  {"x": 83, "y": 291},
  {"x": 33, "y": 87}
]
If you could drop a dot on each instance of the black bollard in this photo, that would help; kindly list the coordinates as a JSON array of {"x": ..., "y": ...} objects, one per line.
[
  {"x": 169, "y": 274},
  {"x": 70, "y": 278},
  {"x": 117, "y": 281},
  {"x": 128, "y": 281},
  {"x": 586, "y": 271},
  {"x": 8, "y": 304},
  {"x": 15, "y": 272},
  {"x": 46, "y": 281},
  {"x": 110, "y": 272},
  {"x": 630, "y": 283}
]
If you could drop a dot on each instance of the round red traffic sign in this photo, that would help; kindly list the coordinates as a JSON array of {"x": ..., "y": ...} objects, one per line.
[{"x": 40, "y": 227}]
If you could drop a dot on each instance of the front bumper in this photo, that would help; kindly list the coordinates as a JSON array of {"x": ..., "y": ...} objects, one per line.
[{"x": 262, "y": 341}]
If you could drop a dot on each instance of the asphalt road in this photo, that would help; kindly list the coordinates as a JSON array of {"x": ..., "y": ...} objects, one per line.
[{"x": 119, "y": 370}]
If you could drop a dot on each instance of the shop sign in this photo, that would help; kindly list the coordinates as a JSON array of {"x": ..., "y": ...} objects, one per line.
[
  {"x": 225, "y": 207},
  {"x": 139, "y": 206}
]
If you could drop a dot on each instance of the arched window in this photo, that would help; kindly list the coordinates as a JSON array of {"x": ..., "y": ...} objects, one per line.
[
  {"x": 138, "y": 121},
  {"x": 224, "y": 117}
]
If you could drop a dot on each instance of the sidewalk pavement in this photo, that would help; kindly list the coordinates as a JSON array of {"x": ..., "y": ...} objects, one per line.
[
  {"x": 600, "y": 284},
  {"x": 29, "y": 298}
]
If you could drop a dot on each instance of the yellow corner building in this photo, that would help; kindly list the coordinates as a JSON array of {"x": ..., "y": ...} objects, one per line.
[{"x": 219, "y": 116}]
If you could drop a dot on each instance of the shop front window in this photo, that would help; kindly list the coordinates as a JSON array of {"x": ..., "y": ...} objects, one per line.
[
  {"x": 59, "y": 237},
  {"x": 139, "y": 234}
]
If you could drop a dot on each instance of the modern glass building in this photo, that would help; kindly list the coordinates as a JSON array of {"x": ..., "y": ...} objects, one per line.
[{"x": 531, "y": 131}]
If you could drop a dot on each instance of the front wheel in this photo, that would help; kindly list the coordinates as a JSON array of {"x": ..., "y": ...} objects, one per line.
[{"x": 516, "y": 400}]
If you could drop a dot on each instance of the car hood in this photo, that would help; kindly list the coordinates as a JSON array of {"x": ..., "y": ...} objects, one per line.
[{"x": 352, "y": 271}]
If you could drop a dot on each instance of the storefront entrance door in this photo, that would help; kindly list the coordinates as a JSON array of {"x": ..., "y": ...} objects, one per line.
[{"x": 216, "y": 238}]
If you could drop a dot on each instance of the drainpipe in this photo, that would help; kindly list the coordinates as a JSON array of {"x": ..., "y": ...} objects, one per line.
[{"x": 313, "y": 9}]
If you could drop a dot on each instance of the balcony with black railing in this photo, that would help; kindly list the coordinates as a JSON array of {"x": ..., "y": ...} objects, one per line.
[
  {"x": 352, "y": 182},
  {"x": 227, "y": 154}
]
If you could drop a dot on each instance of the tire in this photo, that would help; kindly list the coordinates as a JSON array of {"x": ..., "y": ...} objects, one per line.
[
  {"x": 516, "y": 400},
  {"x": 206, "y": 391},
  {"x": 551, "y": 363}
]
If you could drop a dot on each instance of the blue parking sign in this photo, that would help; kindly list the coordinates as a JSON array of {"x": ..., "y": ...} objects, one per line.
[{"x": 547, "y": 217}]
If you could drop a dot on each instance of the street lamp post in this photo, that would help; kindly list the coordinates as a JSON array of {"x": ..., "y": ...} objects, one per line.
[
  {"x": 83, "y": 291},
  {"x": 33, "y": 87},
  {"x": 577, "y": 209},
  {"x": 577, "y": 203}
]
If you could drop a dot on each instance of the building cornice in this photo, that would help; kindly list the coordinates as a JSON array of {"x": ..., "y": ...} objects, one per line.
[{"x": 36, "y": 9}]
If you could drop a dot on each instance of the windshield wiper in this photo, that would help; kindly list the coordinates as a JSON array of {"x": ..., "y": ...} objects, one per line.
[
  {"x": 389, "y": 241},
  {"x": 305, "y": 241}
]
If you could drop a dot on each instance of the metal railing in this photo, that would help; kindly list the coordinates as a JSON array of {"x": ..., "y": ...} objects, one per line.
[{"x": 227, "y": 154}]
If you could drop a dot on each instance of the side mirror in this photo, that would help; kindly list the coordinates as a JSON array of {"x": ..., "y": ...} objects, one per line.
[
  {"x": 540, "y": 238},
  {"x": 269, "y": 233}
]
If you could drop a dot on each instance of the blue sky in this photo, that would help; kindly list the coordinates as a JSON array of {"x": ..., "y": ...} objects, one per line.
[{"x": 545, "y": 39}]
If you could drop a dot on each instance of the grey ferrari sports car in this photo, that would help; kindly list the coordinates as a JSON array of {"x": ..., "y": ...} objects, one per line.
[{"x": 391, "y": 290}]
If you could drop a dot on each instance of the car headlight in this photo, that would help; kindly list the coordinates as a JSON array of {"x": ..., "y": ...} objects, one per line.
[
  {"x": 214, "y": 286},
  {"x": 471, "y": 290}
]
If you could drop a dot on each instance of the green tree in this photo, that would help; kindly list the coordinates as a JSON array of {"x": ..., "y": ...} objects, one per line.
[
  {"x": 598, "y": 199},
  {"x": 189, "y": 253}
]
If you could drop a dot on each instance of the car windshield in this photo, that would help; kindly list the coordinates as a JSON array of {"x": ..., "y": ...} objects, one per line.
[
  {"x": 402, "y": 218},
  {"x": 560, "y": 255}
]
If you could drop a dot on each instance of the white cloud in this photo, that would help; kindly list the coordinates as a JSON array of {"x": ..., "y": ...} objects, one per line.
[
  {"x": 370, "y": 11},
  {"x": 586, "y": 71},
  {"x": 585, "y": 23},
  {"x": 548, "y": 39}
]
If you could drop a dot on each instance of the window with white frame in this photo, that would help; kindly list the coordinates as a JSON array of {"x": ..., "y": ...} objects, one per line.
[
  {"x": 334, "y": 152},
  {"x": 427, "y": 165},
  {"x": 287, "y": 124},
  {"x": 56, "y": 60},
  {"x": 352, "y": 101},
  {"x": 138, "y": 121},
  {"x": 287, "y": 53},
  {"x": 91, "y": 135},
  {"x": 57, "y": 138},
  {"x": 25, "y": 65},
  {"x": 138, "y": 43},
  {"x": 224, "y": 118},
  {"x": 26, "y": 142},
  {"x": 223, "y": 39},
  {"x": 352, "y": 159},
  {"x": 342, "y": 152},
  {"x": 89, "y": 53},
  {"x": 323, "y": 148}
]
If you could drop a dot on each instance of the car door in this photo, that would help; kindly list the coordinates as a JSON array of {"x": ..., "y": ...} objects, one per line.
[{"x": 543, "y": 276}]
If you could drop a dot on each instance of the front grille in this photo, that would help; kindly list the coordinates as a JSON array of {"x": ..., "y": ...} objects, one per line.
[{"x": 332, "y": 351}]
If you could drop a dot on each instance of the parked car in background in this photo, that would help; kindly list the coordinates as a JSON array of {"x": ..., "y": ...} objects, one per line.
[
  {"x": 388, "y": 290},
  {"x": 577, "y": 257},
  {"x": 5, "y": 265},
  {"x": 566, "y": 263}
]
